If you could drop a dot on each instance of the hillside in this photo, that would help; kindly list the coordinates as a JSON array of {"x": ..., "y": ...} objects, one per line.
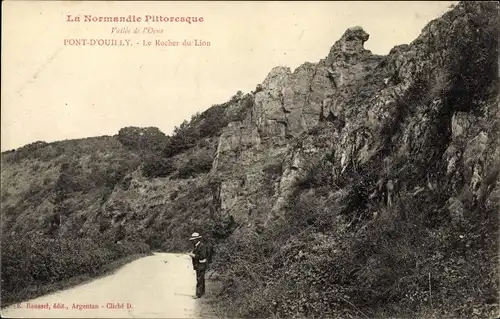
[{"x": 359, "y": 185}]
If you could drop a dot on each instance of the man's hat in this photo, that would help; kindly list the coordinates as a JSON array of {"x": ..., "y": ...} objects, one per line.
[{"x": 195, "y": 236}]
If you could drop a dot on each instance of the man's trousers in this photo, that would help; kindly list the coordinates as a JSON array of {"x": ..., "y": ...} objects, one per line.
[{"x": 200, "y": 282}]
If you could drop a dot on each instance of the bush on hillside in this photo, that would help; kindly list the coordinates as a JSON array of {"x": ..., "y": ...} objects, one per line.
[
  {"x": 143, "y": 139},
  {"x": 272, "y": 174},
  {"x": 33, "y": 261},
  {"x": 472, "y": 66},
  {"x": 195, "y": 209},
  {"x": 212, "y": 121},
  {"x": 157, "y": 166},
  {"x": 32, "y": 150},
  {"x": 316, "y": 175},
  {"x": 205, "y": 125},
  {"x": 198, "y": 164}
]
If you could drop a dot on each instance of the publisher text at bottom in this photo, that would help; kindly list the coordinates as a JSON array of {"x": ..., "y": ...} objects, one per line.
[{"x": 75, "y": 306}]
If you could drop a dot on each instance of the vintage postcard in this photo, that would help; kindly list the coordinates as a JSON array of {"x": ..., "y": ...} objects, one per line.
[{"x": 242, "y": 159}]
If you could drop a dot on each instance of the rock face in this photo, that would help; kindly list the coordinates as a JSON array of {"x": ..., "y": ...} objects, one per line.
[
  {"x": 287, "y": 104},
  {"x": 370, "y": 103},
  {"x": 361, "y": 142}
]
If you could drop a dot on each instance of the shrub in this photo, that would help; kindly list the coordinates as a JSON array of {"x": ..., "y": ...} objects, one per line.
[
  {"x": 34, "y": 261},
  {"x": 246, "y": 103},
  {"x": 472, "y": 64},
  {"x": 213, "y": 121},
  {"x": 316, "y": 175},
  {"x": 149, "y": 139},
  {"x": 205, "y": 125},
  {"x": 199, "y": 164},
  {"x": 272, "y": 173},
  {"x": 184, "y": 137},
  {"x": 156, "y": 166}
]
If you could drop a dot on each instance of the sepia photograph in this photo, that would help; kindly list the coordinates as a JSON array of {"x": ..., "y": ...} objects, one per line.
[{"x": 250, "y": 159}]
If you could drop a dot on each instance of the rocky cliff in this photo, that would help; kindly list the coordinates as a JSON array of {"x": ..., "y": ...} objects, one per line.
[{"x": 359, "y": 149}]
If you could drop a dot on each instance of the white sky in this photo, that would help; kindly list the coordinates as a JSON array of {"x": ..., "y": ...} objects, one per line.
[{"x": 54, "y": 92}]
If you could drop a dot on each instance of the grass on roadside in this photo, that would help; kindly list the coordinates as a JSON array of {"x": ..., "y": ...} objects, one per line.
[{"x": 35, "y": 266}]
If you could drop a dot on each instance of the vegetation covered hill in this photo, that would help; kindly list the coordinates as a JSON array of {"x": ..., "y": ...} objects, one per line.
[{"x": 357, "y": 186}]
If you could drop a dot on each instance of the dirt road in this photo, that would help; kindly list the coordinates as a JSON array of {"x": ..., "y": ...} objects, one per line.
[{"x": 158, "y": 286}]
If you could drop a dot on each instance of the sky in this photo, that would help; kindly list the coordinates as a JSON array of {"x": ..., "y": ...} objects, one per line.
[{"x": 52, "y": 91}]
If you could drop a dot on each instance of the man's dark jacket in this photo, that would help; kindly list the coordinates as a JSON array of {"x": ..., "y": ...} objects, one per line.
[{"x": 200, "y": 259}]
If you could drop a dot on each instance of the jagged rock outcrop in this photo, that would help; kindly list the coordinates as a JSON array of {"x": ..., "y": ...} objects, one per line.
[
  {"x": 288, "y": 104},
  {"x": 368, "y": 98}
]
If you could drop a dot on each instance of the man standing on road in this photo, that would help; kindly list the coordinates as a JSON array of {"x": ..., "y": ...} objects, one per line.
[{"x": 199, "y": 256}]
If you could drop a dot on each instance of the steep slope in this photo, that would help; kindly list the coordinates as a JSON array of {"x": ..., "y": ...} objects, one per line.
[
  {"x": 40, "y": 176},
  {"x": 385, "y": 186},
  {"x": 51, "y": 193},
  {"x": 360, "y": 184}
]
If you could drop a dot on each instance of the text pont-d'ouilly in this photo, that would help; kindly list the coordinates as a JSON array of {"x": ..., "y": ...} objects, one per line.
[{"x": 133, "y": 18}]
